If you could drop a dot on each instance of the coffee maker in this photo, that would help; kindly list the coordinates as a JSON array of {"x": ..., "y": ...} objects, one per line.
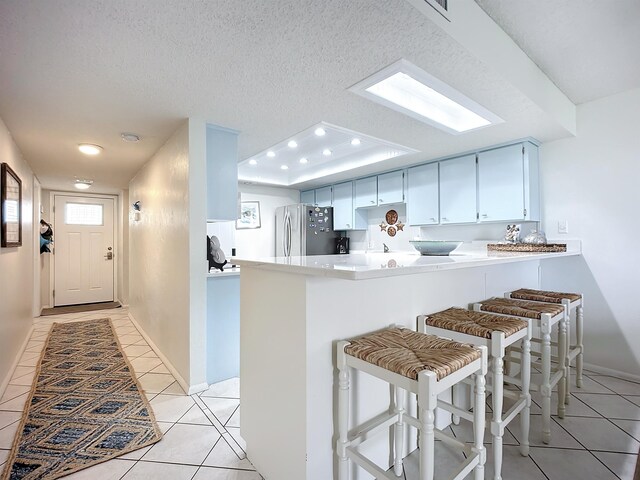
[{"x": 342, "y": 244}]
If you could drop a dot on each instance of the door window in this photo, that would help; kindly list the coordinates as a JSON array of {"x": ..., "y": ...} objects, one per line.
[{"x": 83, "y": 214}]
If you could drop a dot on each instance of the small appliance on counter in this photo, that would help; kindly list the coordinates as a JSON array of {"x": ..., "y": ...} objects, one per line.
[
  {"x": 304, "y": 230},
  {"x": 342, "y": 245}
]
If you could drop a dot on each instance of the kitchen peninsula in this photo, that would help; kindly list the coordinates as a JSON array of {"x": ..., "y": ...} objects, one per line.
[{"x": 293, "y": 310}]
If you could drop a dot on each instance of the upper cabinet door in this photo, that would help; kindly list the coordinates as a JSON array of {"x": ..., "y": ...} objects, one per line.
[
  {"x": 458, "y": 190},
  {"x": 343, "y": 206},
  {"x": 501, "y": 184},
  {"x": 422, "y": 195},
  {"x": 308, "y": 197},
  {"x": 366, "y": 192},
  {"x": 323, "y": 197},
  {"x": 391, "y": 188}
]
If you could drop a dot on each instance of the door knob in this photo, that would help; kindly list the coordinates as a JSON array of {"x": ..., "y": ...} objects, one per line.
[{"x": 109, "y": 256}]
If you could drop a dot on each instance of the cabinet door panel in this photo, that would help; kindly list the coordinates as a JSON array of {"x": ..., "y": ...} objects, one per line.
[
  {"x": 308, "y": 197},
  {"x": 422, "y": 195},
  {"x": 343, "y": 206},
  {"x": 501, "y": 184},
  {"x": 458, "y": 190},
  {"x": 323, "y": 196},
  {"x": 391, "y": 188},
  {"x": 366, "y": 192}
]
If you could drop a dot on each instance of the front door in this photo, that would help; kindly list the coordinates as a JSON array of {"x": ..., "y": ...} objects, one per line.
[{"x": 84, "y": 250}]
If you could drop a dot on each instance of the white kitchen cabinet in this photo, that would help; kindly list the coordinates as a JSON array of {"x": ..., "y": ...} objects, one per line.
[
  {"x": 345, "y": 217},
  {"x": 308, "y": 197},
  {"x": 366, "y": 192},
  {"x": 422, "y": 195},
  {"x": 508, "y": 183},
  {"x": 323, "y": 197},
  {"x": 391, "y": 188},
  {"x": 458, "y": 190}
]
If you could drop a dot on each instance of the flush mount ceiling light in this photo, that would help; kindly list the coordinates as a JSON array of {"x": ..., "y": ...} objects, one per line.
[
  {"x": 305, "y": 156},
  {"x": 320, "y": 132},
  {"x": 89, "y": 148},
  {"x": 130, "y": 137},
  {"x": 410, "y": 90},
  {"x": 83, "y": 184}
]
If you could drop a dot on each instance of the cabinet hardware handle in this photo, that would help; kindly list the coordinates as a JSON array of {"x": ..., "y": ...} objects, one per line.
[
  {"x": 380, "y": 200},
  {"x": 484, "y": 215},
  {"x": 373, "y": 201},
  {"x": 445, "y": 219},
  {"x": 432, "y": 218},
  {"x": 348, "y": 225}
]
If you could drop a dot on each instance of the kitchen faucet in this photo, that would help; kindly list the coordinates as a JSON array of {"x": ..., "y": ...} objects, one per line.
[{"x": 386, "y": 249}]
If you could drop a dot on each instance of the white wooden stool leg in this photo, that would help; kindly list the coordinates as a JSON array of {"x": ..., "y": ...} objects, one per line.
[
  {"x": 496, "y": 405},
  {"x": 562, "y": 365},
  {"x": 427, "y": 444},
  {"x": 456, "y": 394},
  {"x": 399, "y": 431},
  {"x": 479, "y": 423},
  {"x": 343, "y": 414},
  {"x": 545, "y": 387},
  {"x": 525, "y": 378},
  {"x": 567, "y": 348},
  {"x": 579, "y": 345}
]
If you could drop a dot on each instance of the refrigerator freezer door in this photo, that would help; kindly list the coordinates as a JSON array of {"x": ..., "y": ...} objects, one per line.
[
  {"x": 295, "y": 233},
  {"x": 280, "y": 230}
]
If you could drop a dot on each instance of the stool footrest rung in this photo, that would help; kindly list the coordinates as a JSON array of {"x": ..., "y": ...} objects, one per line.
[
  {"x": 369, "y": 466},
  {"x": 513, "y": 411},
  {"x": 370, "y": 427},
  {"x": 467, "y": 466},
  {"x": 455, "y": 410}
]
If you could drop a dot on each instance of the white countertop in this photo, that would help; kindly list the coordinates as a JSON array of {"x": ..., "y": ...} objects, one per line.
[
  {"x": 228, "y": 272},
  {"x": 361, "y": 266}
]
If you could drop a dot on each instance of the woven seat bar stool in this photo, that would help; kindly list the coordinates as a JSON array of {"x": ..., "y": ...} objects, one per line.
[
  {"x": 496, "y": 332},
  {"x": 421, "y": 364},
  {"x": 545, "y": 316},
  {"x": 573, "y": 302}
]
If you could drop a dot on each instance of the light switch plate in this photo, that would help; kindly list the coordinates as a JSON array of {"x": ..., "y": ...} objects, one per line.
[{"x": 563, "y": 226}]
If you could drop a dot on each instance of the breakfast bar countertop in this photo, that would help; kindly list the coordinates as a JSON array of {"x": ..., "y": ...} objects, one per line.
[{"x": 361, "y": 266}]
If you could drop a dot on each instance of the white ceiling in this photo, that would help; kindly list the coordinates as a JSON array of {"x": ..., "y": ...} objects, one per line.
[
  {"x": 87, "y": 70},
  {"x": 589, "y": 48}
]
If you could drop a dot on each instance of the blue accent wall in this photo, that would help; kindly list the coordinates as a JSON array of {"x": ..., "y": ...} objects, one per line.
[{"x": 223, "y": 328}]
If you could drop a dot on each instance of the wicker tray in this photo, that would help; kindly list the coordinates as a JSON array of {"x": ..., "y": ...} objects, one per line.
[{"x": 527, "y": 247}]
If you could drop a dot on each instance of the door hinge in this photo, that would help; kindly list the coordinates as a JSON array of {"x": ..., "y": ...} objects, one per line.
[
  {"x": 54, "y": 293},
  {"x": 476, "y": 159},
  {"x": 525, "y": 213},
  {"x": 477, "y": 215},
  {"x": 523, "y": 149}
]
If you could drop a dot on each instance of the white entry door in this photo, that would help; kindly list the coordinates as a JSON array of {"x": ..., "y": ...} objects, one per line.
[{"x": 84, "y": 250}]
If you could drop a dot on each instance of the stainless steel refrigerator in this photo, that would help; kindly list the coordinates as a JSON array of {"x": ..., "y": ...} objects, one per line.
[{"x": 304, "y": 230}]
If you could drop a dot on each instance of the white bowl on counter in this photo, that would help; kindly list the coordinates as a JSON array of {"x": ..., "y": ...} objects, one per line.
[{"x": 435, "y": 247}]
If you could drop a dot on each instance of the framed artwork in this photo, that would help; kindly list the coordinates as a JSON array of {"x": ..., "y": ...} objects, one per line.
[
  {"x": 10, "y": 207},
  {"x": 249, "y": 215}
]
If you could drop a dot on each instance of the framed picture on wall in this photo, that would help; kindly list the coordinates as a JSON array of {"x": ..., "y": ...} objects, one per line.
[
  {"x": 11, "y": 207},
  {"x": 249, "y": 215}
]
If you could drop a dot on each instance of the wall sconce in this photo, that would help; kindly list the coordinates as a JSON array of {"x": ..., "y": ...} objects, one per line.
[{"x": 137, "y": 207}]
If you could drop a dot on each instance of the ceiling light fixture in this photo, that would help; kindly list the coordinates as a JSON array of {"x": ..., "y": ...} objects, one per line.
[
  {"x": 292, "y": 144},
  {"x": 326, "y": 152},
  {"x": 320, "y": 132},
  {"x": 304, "y": 160},
  {"x": 130, "y": 137},
  {"x": 355, "y": 142},
  {"x": 271, "y": 154},
  {"x": 284, "y": 167},
  {"x": 89, "y": 148},
  {"x": 408, "y": 89},
  {"x": 83, "y": 184},
  {"x": 253, "y": 161}
]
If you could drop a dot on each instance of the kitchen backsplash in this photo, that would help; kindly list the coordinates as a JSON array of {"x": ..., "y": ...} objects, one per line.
[{"x": 226, "y": 233}]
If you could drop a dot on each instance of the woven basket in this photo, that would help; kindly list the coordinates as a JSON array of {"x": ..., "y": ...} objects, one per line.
[{"x": 527, "y": 247}]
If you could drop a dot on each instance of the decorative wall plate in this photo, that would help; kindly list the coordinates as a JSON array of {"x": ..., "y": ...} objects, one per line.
[{"x": 391, "y": 217}]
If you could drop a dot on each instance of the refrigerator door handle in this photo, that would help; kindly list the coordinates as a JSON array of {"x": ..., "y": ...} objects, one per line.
[{"x": 288, "y": 236}]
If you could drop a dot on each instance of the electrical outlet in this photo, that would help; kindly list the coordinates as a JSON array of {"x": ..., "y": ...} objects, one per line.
[{"x": 563, "y": 226}]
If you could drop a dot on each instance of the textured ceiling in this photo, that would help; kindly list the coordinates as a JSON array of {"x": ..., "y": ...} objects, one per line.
[
  {"x": 589, "y": 48},
  {"x": 85, "y": 70}
]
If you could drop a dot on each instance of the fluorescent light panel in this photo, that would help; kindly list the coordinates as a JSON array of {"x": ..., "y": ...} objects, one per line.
[{"x": 410, "y": 90}]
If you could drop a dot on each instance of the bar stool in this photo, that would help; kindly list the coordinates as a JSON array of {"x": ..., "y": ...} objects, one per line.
[
  {"x": 572, "y": 302},
  {"x": 546, "y": 315},
  {"x": 497, "y": 333},
  {"x": 421, "y": 364}
]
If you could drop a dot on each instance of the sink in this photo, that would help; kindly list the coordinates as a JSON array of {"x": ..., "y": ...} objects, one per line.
[{"x": 435, "y": 247}]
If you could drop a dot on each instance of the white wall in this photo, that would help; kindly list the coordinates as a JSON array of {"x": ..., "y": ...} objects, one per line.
[
  {"x": 591, "y": 181},
  {"x": 16, "y": 267},
  {"x": 123, "y": 247},
  {"x": 261, "y": 242},
  {"x": 46, "y": 259}
]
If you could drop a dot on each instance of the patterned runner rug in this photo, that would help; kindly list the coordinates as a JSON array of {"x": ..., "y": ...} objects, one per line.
[{"x": 85, "y": 406}]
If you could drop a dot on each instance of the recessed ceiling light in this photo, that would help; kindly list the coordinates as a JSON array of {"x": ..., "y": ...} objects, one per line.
[
  {"x": 292, "y": 144},
  {"x": 304, "y": 160},
  {"x": 320, "y": 132},
  {"x": 83, "y": 184},
  {"x": 326, "y": 152},
  {"x": 130, "y": 137},
  {"x": 284, "y": 167},
  {"x": 271, "y": 154},
  {"x": 355, "y": 142},
  {"x": 408, "y": 89},
  {"x": 89, "y": 148},
  {"x": 253, "y": 161}
]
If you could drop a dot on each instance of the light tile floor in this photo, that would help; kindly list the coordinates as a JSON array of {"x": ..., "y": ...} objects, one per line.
[
  {"x": 598, "y": 439},
  {"x": 201, "y": 432}
]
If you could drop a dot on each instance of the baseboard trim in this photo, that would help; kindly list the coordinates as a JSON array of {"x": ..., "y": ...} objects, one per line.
[
  {"x": 183, "y": 383},
  {"x": 612, "y": 372},
  {"x": 7, "y": 379}
]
